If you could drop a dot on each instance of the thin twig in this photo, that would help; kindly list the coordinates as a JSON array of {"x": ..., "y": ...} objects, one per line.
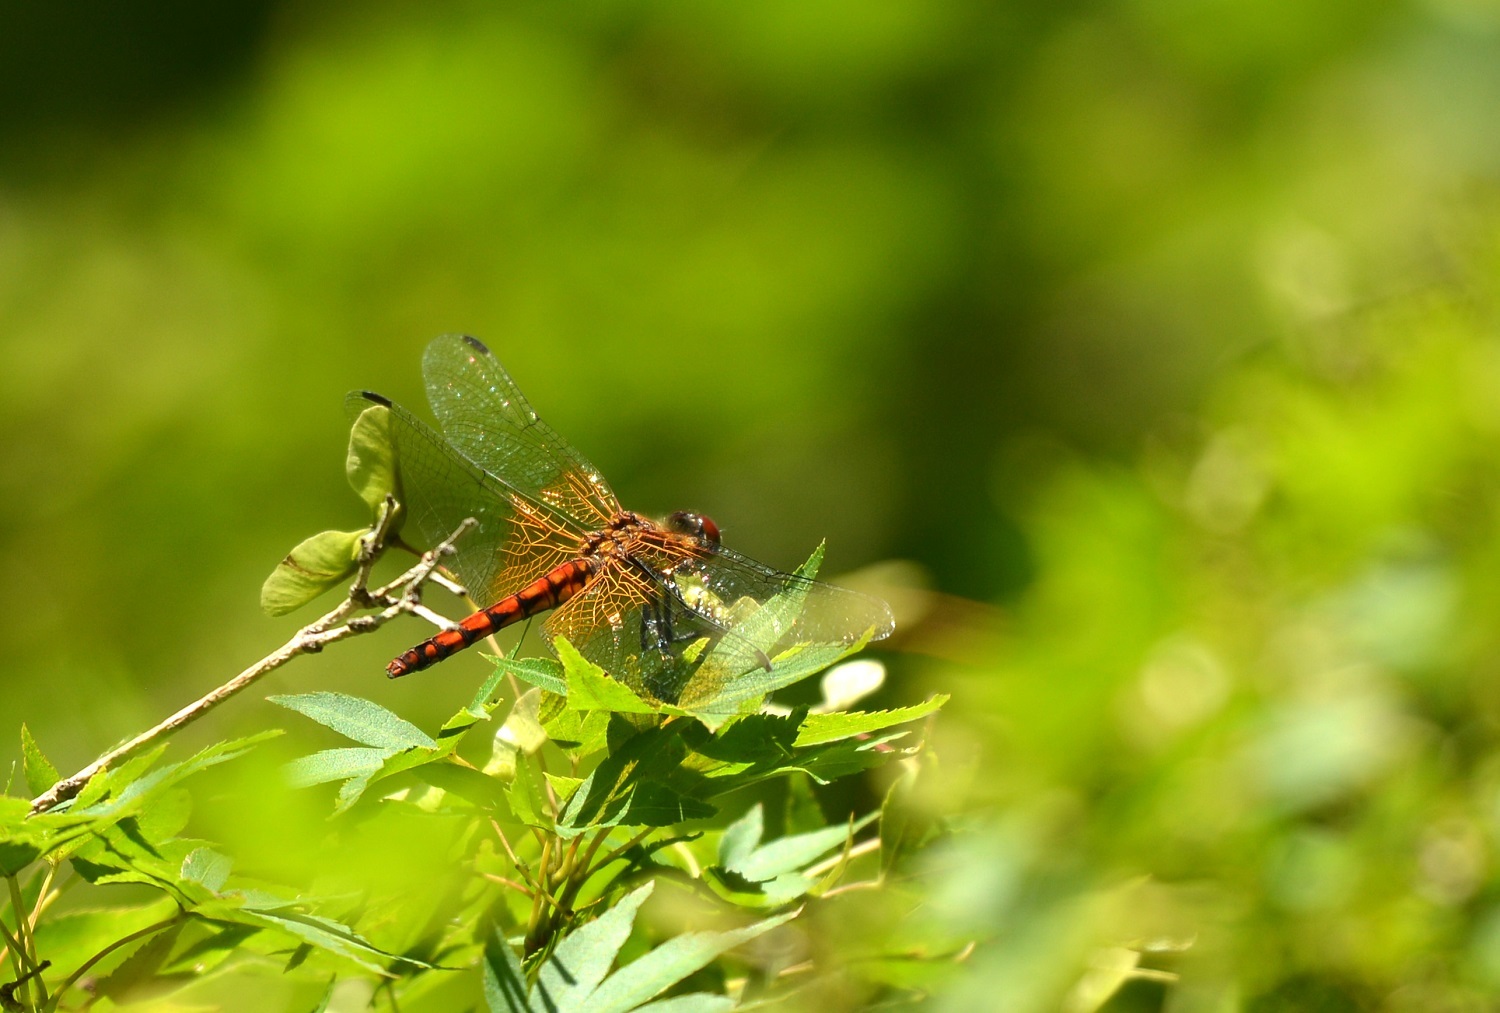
[
  {"x": 862, "y": 848},
  {"x": 83, "y": 968},
  {"x": 519, "y": 888},
  {"x": 616, "y": 853},
  {"x": 395, "y": 598}
]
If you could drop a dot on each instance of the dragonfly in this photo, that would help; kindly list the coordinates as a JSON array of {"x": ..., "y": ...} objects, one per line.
[{"x": 644, "y": 599}]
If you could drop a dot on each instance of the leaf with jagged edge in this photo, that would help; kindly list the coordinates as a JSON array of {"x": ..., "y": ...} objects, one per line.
[
  {"x": 39, "y": 772},
  {"x": 357, "y": 718},
  {"x": 820, "y": 728}
]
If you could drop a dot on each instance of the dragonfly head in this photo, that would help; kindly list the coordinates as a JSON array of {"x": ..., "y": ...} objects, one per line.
[{"x": 685, "y": 522}]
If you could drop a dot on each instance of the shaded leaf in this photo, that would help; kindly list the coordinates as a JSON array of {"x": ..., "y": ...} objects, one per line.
[
  {"x": 580, "y": 962},
  {"x": 504, "y": 981},
  {"x": 208, "y": 867},
  {"x": 335, "y": 765},
  {"x": 657, "y": 971}
]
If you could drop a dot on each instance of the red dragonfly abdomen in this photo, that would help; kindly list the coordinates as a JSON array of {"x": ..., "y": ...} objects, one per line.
[{"x": 546, "y": 592}]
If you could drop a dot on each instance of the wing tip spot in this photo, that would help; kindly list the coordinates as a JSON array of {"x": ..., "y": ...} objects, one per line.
[
  {"x": 380, "y": 399},
  {"x": 476, "y": 344}
]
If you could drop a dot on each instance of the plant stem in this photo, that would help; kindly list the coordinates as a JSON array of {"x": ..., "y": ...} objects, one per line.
[
  {"x": 24, "y": 943},
  {"x": 83, "y": 968},
  {"x": 338, "y": 624}
]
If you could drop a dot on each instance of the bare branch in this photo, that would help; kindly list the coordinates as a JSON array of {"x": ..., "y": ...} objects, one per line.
[{"x": 400, "y": 596}]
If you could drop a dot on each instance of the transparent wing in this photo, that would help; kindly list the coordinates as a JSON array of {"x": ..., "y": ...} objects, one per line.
[
  {"x": 517, "y": 539},
  {"x": 636, "y": 630},
  {"x": 485, "y": 416},
  {"x": 654, "y": 632}
]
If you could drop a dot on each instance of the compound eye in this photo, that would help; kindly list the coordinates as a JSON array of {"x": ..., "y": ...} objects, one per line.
[{"x": 685, "y": 522}]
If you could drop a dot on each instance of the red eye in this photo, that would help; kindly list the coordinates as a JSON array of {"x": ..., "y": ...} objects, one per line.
[{"x": 709, "y": 528}]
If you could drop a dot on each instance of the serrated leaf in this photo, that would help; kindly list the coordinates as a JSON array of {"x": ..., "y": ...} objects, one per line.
[
  {"x": 521, "y": 728},
  {"x": 318, "y": 564},
  {"x": 742, "y": 837},
  {"x": 589, "y": 687},
  {"x": 528, "y": 802},
  {"x": 335, "y": 765},
  {"x": 208, "y": 867},
  {"x": 358, "y": 719},
  {"x": 544, "y": 673},
  {"x": 39, "y": 772},
  {"x": 580, "y": 962},
  {"x": 371, "y": 462},
  {"x": 790, "y": 854},
  {"x": 140, "y": 967},
  {"x": 820, "y": 728},
  {"x": 563, "y": 786},
  {"x": 671, "y": 962},
  {"x": 504, "y": 981}
]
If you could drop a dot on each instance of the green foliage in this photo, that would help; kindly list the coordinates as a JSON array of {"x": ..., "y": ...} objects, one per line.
[{"x": 637, "y": 768}]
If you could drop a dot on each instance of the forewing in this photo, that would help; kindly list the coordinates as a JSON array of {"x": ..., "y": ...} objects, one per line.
[
  {"x": 485, "y": 416},
  {"x": 516, "y": 540}
]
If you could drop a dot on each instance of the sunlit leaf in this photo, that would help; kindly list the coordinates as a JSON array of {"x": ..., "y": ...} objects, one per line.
[
  {"x": 371, "y": 462},
  {"x": 318, "y": 564},
  {"x": 39, "y": 771},
  {"x": 819, "y": 728},
  {"x": 358, "y": 719}
]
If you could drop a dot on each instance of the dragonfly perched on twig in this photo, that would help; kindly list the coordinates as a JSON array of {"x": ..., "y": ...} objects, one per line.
[{"x": 643, "y": 599}]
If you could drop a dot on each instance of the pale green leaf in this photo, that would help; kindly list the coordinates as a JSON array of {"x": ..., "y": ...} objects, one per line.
[
  {"x": 316, "y": 565},
  {"x": 39, "y": 772},
  {"x": 357, "y": 719},
  {"x": 820, "y": 728}
]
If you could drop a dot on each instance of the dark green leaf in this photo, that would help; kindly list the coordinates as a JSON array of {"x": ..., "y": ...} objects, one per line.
[
  {"x": 318, "y": 564},
  {"x": 358, "y": 719}
]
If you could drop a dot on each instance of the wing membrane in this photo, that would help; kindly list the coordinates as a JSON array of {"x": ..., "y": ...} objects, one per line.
[
  {"x": 517, "y": 539},
  {"x": 483, "y": 414}
]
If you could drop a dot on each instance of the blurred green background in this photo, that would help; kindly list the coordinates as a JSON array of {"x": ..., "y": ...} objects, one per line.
[{"x": 1159, "y": 336}]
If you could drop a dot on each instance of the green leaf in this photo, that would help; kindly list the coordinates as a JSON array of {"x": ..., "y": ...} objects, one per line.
[
  {"x": 791, "y": 854},
  {"x": 741, "y": 837},
  {"x": 335, "y": 765},
  {"x": 580, "y": 962},
  {"x": 819, "y": 728},
  {"x": 590, "y": 688},
  {"x": 544, "y": 673},
  {"x": 528, "y": 801},
  {"x": 208, "y": 867},
  {"x": 694, "y": 1002},
  {"x": 358, "y": 719},
  {"x": 504, "y": 981},
  {"x": 140, "y": 968},
  {"x": 669, "y": 963},
  {"x": 39, "y": 771},
  {"x": 316, "y": 565},
  {"x": 577, "y": 733},
  {"x": 371, "y": 463}
]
